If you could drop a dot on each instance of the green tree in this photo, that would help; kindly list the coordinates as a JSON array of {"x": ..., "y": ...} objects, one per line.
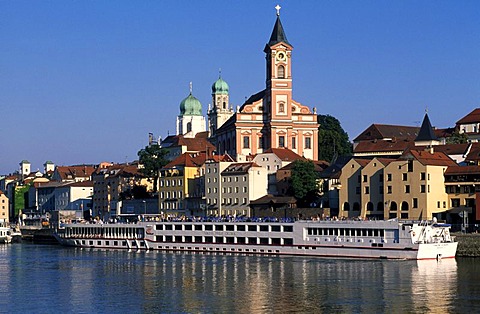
[
  {"x": 152, "y": 158},
  {"x": 304, "y": 181},
  {"x": 332, "y": 139},
  {"x": 457, "y": 138}
]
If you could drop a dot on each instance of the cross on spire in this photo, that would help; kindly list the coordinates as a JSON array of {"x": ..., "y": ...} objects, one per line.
[
  {"x": 278, "y": 7},
  {"x": 191, "y": 88}
]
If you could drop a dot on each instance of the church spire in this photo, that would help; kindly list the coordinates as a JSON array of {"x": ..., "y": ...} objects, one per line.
[
  {"x": 278, "y": 34},
  {"x": 426, "y": 131}
]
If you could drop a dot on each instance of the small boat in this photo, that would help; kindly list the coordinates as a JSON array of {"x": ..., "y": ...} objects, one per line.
[
  {"x": 391, "y": 239},
  {"x": 5, "y": 235}
]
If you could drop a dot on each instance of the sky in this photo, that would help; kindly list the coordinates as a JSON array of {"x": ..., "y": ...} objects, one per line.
[{"x": 86, "y": 81}]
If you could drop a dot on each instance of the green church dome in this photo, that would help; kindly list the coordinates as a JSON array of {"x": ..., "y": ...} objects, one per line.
[
  {"x": 190, "y": 106},
  {"x": 220, "y": 87}
]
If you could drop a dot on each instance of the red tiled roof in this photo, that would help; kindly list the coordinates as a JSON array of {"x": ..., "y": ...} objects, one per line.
[
  {"x": 240, "y": 167},
  {"x": 449, "y": 149},
  {"x": 474, "y": 153},
  {"x": 285, "y": 154},
  {"x": 381, "y": 131},
  {"x": 197, "y": 144},
  {"x": 472, "y": 117},
  {"x": 459, "y": 170},
  {"x": 427, "y": 158},
  {"x": 75, "y": 171},
  {"x": 382, "y": 146},
  {"x": 188, "y": 160}
]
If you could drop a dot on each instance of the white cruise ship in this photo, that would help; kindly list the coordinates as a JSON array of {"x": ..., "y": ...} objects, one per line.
[{"x": 351, "y": 239}]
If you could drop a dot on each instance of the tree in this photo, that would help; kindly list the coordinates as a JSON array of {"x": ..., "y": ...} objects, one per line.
[
  {"x": 457, "y": 138},
  {"x": 152, "y": 158},
  {"x": 332, "y": 139},
  {"x": 304, "y": 181}
]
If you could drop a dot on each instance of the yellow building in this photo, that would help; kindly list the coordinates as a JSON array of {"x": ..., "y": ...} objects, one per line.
[
  {"x": 3, "y": 208},
  {"x": 182, "y": 185}
]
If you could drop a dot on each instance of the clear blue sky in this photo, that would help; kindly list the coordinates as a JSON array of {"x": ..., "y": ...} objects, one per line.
[{"x": 86, "y": 81}]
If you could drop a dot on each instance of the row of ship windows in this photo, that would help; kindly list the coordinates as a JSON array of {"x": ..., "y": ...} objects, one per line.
[
  {"x": 346, "y": 232},
  {"x": 198, "y": 227},
  {"x": 228, "y": 240}
]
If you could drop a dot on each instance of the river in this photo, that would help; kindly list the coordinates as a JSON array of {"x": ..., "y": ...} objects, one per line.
[{"x": 53, "y": 279}]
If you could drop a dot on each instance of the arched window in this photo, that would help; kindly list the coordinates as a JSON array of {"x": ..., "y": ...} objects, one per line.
[
  {"x": 281, "y": 71},
  {"x": 189, "y": 126},
  {"x": 281, "y": 107},
  {"x": 346, "y": 206}
]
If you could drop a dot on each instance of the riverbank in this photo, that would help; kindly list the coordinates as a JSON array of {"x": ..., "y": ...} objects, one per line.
[{"x": 468, "y": 244}]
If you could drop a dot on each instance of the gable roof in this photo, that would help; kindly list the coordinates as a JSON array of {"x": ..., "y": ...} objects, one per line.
[
  {"x": 428, "y": 158},
  {"x": 197, "y": 144},
  {"x": 382, "y": 146},
  {"x": 72, "y": 172},
  {"x": 460, "y": 170},
  {"x": 387, "y": 131},
  {"x": 472, "y": 117},
  {"x": 188, "y": 160},
  {"x": 285, "y": 154}
]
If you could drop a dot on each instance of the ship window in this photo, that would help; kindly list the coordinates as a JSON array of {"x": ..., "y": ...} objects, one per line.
[
  {"x": 229, "y": 227},
  {"x": 178, "y": 239},
  {"x": 198, "y": 239},
  {"x": 168, "y": 239},
  {"x": 208, "y": 239},
  {"x": 208, "y": 227},
  {"x": 252, "y": 240},
  {"x": 230, "y": 240},
  {"x": 276, "y": 228},
  {"x": 168, "y": 227},
  {"x": 198, "y": 227},
  {"x": 219, "y": 227},
  {"x": 264, "y": 228},
  {"x": 276, "y": 241},
  {"x": 240, "y": 228},
  {"x": 263, "y": 240},
  {"x": 288, "y": 241},
  {"x": 159, "y": 227},
  {"x": 188, "y": 227},
  {"x": 252, "y": 228},
  {"x": 287, "y": 229},
  {"x": 178, "y": 227},
  {"x": 188, "y": 239},
  {"x": 241, "y": 240},
  {"x": 218, "y": 239}
]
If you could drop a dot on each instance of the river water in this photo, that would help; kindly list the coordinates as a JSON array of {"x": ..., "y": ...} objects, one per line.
[{"x": 53, "y": 279}]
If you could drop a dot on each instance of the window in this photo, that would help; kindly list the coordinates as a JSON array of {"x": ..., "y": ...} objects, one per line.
[
  {"x": 389, "y": 177},
  {"x": 407, "y": 188},
  {"x": 422, "y": 188},
  {"x": 404, "y": 176},
  {"x": 246, "y": 142},
  {"x": 308, "y": 143},
  {"x": 294, "y": 143},
  {"x": 422, "y": 176},
  {"x": 389, "y": 189},
  {"x": 260, "y": 142},
  {"x": 281, "y": 141},
  {"x": 281, "y": 71},
  {"x": 455, "y": 202},
  {"x": 415, "y": 203},
  {"x": 367, "y": 190},
  {"x": 281, "y": 107}
]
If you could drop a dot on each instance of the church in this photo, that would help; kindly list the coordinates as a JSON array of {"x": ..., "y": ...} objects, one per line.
[{"x": 268, "y": 119}]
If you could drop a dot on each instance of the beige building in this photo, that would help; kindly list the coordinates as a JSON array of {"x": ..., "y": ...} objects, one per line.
[
  {"x": 415, "y": 185},
  {"x": 4, "y": 206},
  {"x": 110, "y": 185},
  {"x": 350, "y": 187},
  {"x": 231, "y": 186}
]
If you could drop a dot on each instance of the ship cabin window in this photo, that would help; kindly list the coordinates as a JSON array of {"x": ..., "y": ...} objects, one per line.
[
  {"x": 208, "y": 239},
  {"x": 252, "y": 228},
  {"x": 264, "y": 228},
  {"x": 178, "y": 227},
  {"x": 208, "y": 227},
  {"x": 198, "y": 227},
  {"x": 252, "y": 240},
  {"x": 263, "y": 240},
  {"x": 240, "y": 228},
  {"x": 218, "y": 239},
  {"x": 229, "y": 228},
  {"x": 275, "y": 228},
  {"x": 158, "y": 227},
  {"x": 287, "y": 228},
  {"x": 188, "y": 239},
  {"x": 178, "y": 239},
  {"x": 115, "y": 243},
  {"x": 168, "y": 227},
  {"x": 241, "y": 240},
  {"x": 159, "y": 238},
  {"x": 288, "y": 241},
  {"x": 219, "y": 227},
  {"x": 188, "y": 227},
  {"x": 276, "y": 241},
  {"x": 168, "y": 239},
  {"x": 230, "y": 240},
  {"x": 198, "y": 239}
]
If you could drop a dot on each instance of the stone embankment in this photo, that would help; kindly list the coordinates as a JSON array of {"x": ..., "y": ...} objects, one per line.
[{"x": 468, "y": 244}]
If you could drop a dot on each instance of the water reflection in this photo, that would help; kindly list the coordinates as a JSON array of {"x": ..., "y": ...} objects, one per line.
[{"x": 121, "y": 281}]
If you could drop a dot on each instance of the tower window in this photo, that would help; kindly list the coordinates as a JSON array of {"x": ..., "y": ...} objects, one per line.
[
  {"x": 224, "y": 105},
  {"x": 281, "y": 107},
  {"x": 281, "y": 141},
  {"x": 294, "y": 143},
  {"x": 260, "y": 142},
  {"x": 308, "y": 143},
  {"x": 246, "y": 142},
  {"x": 281, "y": 71},
  {"x": 189, "y": 126}
]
